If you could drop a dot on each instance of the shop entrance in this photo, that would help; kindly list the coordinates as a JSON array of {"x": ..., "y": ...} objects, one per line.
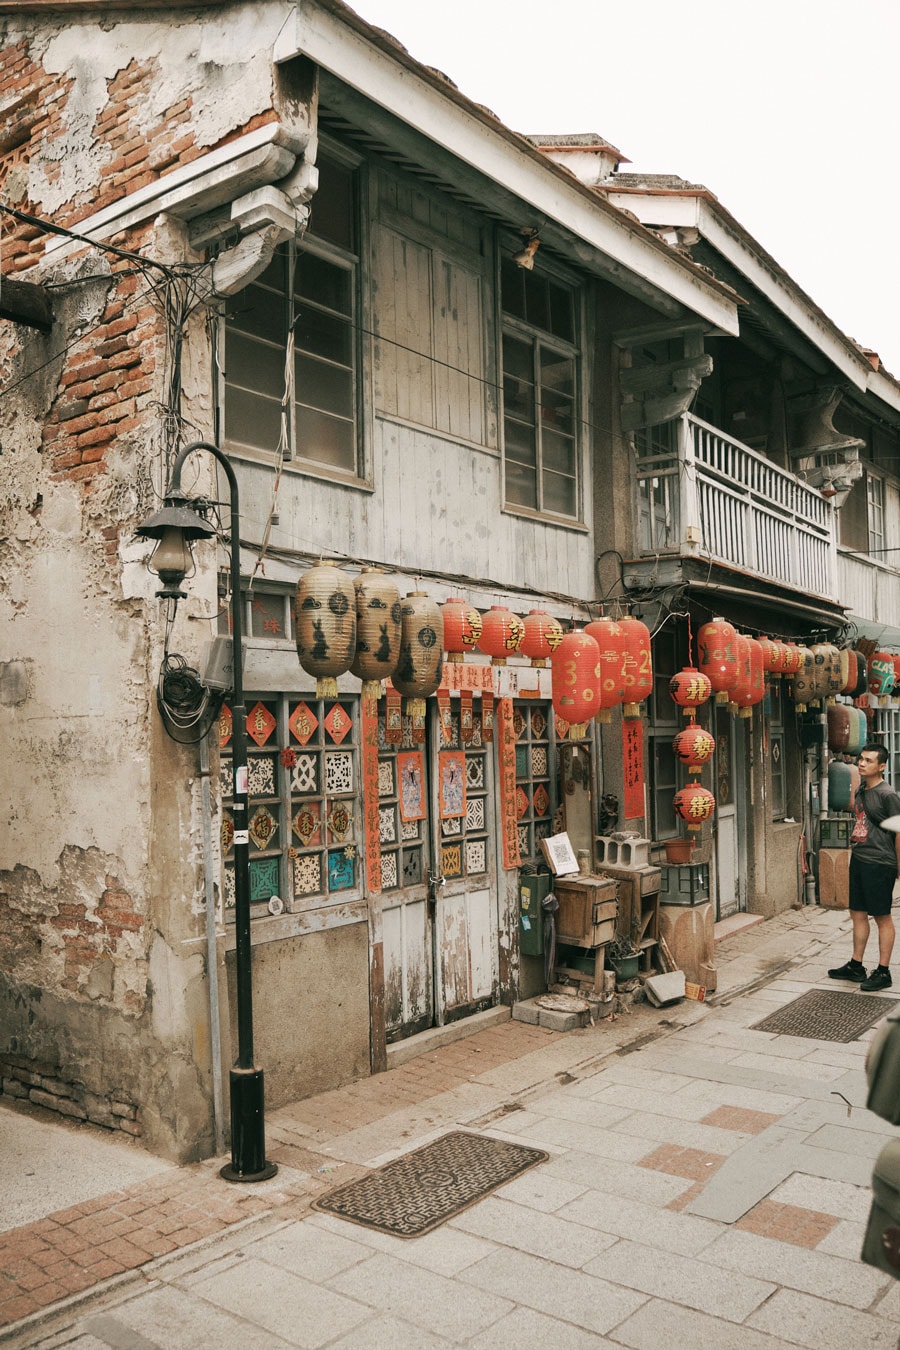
[
  {"x": 731, "y": 829},
  {"x": 439, "y": 892}
]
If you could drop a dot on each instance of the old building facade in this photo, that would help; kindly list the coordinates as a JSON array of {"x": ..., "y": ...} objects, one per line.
[{"x": 267, "y": 227}]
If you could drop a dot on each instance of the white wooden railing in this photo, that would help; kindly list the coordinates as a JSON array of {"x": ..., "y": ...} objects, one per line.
[
  {"x": 868, "y": 588},
  {"x": 716, "y": 498}
]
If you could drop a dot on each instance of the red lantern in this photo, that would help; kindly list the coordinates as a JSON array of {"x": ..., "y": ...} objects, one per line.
[
  {"x": 636, "y": 664},
  {"x": 543, "y": 635},
  {"x": 748, "y": 694},
  {"x": 689, "y": 689},
  {"x": 693, "y": 746},
  {"x": 737, "y": 695},
  {"x": 881, "y": 675},
  {"x": 501, "y": 634},
  {"x": 462, "y": 628},
  {"x": 771, "y": 656},
  {"x": 608, "y": 636},
  {"x": 717, "y": 657},
  {"x": 694, "y": 804},
  {"x": 791, "y": 659},
  {"x": 575, "y": 669}
]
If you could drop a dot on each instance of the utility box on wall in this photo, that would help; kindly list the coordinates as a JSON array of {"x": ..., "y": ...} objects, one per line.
[
  {"x": 532, "y": 890},
  {"x": 835, "y": 832}
]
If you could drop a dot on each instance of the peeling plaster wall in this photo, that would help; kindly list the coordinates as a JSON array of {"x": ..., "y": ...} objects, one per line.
[{"x": 103, "y": 991}]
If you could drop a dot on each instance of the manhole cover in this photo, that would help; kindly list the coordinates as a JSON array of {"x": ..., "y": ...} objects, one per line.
[
  {"x": 824, "y": 1016},
  {"x": 415, "y": 1193}
]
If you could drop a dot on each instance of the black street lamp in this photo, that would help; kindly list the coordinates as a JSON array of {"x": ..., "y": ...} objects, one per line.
[{"x": 175, "y": 528}]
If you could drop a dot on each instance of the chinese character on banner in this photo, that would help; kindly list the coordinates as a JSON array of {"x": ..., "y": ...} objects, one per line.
[{"x": 633, "y": 763}]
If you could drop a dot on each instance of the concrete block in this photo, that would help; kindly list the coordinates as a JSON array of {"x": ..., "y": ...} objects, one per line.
[
  {"x": 526, "y": 1011},
  {"x": 834, "y": 877},
  {"x": 633, "y": 852},
  {"x": 663, "y": 989},
  {"x": 560, "y": 1021}
]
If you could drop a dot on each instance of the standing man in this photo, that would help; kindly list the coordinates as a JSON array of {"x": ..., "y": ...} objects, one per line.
[{"x": 874, "y": 864}]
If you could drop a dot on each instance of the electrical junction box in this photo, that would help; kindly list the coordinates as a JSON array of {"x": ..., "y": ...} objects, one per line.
[
  {"x": 217, "y": 665},
  {"x": 834, "y": 833},
  {"x": 532, "y": 890}
]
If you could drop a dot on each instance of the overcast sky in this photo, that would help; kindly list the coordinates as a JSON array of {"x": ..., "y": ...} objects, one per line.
[{"x": 786, "y": 109}]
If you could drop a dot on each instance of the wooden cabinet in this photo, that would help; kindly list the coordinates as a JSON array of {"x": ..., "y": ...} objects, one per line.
[{"x": 587, "y": 911}]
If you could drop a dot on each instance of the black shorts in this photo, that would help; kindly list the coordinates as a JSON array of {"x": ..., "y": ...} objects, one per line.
[{"x": 871, "y": 887}]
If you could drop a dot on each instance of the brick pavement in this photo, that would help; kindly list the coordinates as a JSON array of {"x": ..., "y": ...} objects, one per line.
[{"x": 78, "y": 1248}]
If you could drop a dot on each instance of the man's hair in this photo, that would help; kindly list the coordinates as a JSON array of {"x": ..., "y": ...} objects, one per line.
[{"x": 877, "y": 749}]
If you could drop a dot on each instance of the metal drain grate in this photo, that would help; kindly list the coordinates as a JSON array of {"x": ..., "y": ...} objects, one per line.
[
  {"x": 415, "y": 1193},
  {"x": 822, "y": 1015}
]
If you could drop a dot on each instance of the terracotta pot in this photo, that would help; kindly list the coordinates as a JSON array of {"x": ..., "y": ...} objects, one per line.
[{"x": 678, "y": 850}]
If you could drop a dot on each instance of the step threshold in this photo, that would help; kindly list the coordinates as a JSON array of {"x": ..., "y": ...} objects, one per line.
[{"x": 403, "y": 1051}]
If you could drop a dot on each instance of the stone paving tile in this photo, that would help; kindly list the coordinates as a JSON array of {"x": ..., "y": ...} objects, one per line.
[
  {"x": 836, "y": 1137},
  {"x": 665, "y": 1324},
  {"x": 845, "y": 1239},
  {"x": 822, "y": 1325},
  {"x": 389, "y": 1333},
  {"x": 691, "y": 1163},
  {"x": 564, "y": 1105},
  {"x": 634, "y": 1074},
  {"x": 710, "y": 1091},
  {"x": 681, "y": 1105},
  {"x": 582, "y": 1299},
  {"x": 308, "y": 1251},
  {"x": 569, "y": 1134},
  {"x": 809, "y": 1116},
  {"x": 889, "y": 1305},
  {"x": 799, "y": 1068},
  {"x": 444, "y": 1251},
  {"x": 559, "y": 1239},
  {"x": 538, "y": 1190},
  {"x": 300, "y": 1312},
  {"x": 169, "y": 1317},
  {"x": 526, "y": 1329},
  {"x": 622, "y": 1179},
  {"x": 820, "y": 1193},
  {"x": 680, "y": 1279},
  {"x": 812, "y": 1272},
  {"x": 668, "y": 1129},
  {"x": 787, "y": 1223},
  {"x": 741, "y": 1119},
  {"x": 442, "y": 1306},
  {"x": 648, "y": 1224}
]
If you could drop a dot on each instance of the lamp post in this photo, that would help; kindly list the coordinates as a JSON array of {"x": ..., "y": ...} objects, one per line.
[{"x": 175, "y": 528}]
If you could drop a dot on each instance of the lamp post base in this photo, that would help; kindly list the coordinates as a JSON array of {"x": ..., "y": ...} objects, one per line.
[{"x": 248, "y": 1142}]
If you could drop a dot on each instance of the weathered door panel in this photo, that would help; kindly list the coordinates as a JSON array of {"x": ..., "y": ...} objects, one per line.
[{"x": 409, "y": 1006}]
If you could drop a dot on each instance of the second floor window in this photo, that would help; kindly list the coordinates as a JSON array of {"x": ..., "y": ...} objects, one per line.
[
  {"x": 321, "y": 428},
  {"x": 540, "y": 393},
  {"x": 875, "y": 502}
]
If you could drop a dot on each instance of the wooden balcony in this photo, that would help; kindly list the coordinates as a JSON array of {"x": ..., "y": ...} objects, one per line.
[{"x": 715, "y": 500}]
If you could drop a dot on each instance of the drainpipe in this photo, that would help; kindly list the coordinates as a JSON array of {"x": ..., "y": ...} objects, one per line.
[{"x": 212, "y": 966}]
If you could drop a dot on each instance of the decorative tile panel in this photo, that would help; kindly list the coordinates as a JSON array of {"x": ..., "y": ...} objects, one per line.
[
  {"x": 539, "y": 761},
  {"x": 541, "y": 800},
  {"x": 341, "y": 868},
  {"x": 538, "y": 724},
  {"x": 475, "y": 813},
  {"x": 474, "y": 771},
  {"x": 409, "y": 829},
  {"x": 338, "y": 772},
  {"x": 385, "y": 778},
  {"x": 263, "y": 828},
  {"x": 387, "y": 824},
  {"x": 338, "y": 723},
  {"x": 307, "y": 874},
  {"x": 521, "y": 761},
  {"x": 227, "y": 833},
  {"x": 261, "y": 776},
  {"x": 226, "y": 777},
  {"x": 340, "y": 823},
  {"x": 451, "y": 860},
  {"x": 476, "y": 856},
  {"x": 306, "y": 824},
  {"x": 388, "y": 871},
  {"x": 412, "y": 867},
  {"x": 264, "y": 880},
  {"x": 260, "y": 723},
  {"x": 518, "y": 723},
  {"x": 228, "y": 879},
  {"x": 524, "y": 845},
  {"x": 305, "y": 774},
  {"x": 302, "y": 723},
  {"x": 453, "y": 825},
  {"x": 523, "y": 802}
]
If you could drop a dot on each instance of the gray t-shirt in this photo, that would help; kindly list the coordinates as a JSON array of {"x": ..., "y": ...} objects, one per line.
[{"x": 870, "y": 843}]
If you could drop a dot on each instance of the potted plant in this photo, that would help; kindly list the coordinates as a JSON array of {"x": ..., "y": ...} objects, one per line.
[{"x": 623, "y": 958}]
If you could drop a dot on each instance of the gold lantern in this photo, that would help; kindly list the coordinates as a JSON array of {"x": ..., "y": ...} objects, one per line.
[
  {"x": 418, "y": 671},
  {"x": 377, "y": 630}
]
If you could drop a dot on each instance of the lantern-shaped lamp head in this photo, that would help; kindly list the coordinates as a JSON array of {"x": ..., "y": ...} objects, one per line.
[
  {"x": 694, "y": 747},
  {"x": 543, "y": 634},
  {"x": 174, "y": 528}
]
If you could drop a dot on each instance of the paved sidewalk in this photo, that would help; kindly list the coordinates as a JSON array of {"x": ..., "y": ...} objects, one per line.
[{"x": 707, "y": 1185}]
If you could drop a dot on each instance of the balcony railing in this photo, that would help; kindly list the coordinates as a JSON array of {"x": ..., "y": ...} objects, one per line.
[
  {"x": 869, "y": 589},
  {"x": 713, "y": 497}
]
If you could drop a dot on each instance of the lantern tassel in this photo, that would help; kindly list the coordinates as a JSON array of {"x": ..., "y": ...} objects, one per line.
[
  {"x": 415, "y": 707},
  {"x": 326, "y": 687},
  {"x": 631, "y": 711},
  {"x": 372, "y": 689}
]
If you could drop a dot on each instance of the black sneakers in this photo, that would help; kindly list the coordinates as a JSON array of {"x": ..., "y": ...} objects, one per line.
[
  {"x": 879, "y": 979},
  {"x": 855, "y": 971}
]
